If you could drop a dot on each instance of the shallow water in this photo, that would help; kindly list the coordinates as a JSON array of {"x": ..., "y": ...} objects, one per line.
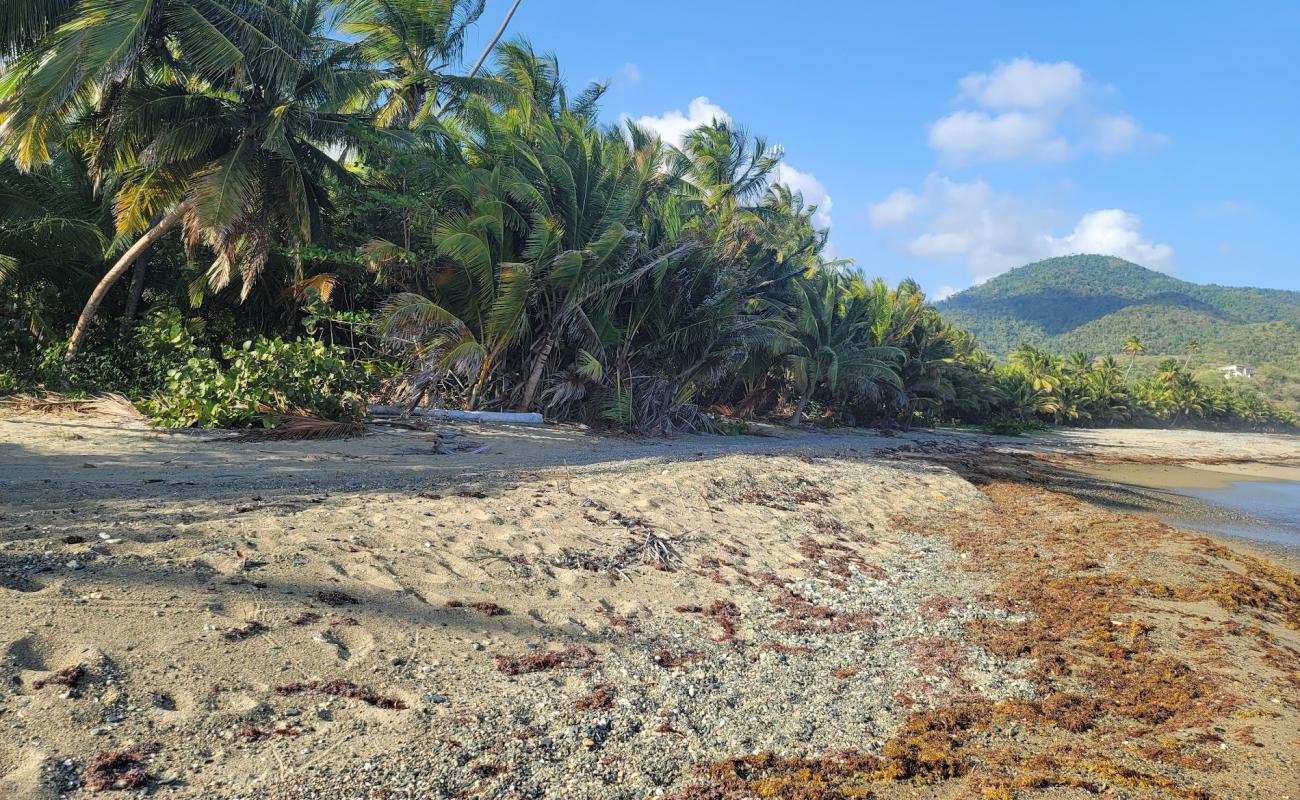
[{"x": 1272, "y": 508}]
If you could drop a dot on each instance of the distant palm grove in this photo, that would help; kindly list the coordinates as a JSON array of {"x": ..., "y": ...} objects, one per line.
[{"x": 234, "y": 211}]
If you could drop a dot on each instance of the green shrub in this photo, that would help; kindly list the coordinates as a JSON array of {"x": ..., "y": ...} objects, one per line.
[
  {"x": 1013, "y": 426},
  {"x": 726, "y": 426},
  {"x": 248, "y": 385}
]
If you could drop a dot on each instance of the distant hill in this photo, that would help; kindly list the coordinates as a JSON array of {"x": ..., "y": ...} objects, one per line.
[{"x": 1094, "y": 303}]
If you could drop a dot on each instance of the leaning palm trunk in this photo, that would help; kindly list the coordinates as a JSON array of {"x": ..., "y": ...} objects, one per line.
[
  {"x": 442, "y": 107},
  {"x": 123, "y": 264},
  {"x": 535, "y": 376}
]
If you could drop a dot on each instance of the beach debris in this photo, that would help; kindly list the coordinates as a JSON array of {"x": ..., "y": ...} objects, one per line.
[
  {"x": 506, "y": 417},
  {"x": 722, "y": 612},
  {"x": 667, "y": 660},
  {"x": 74, "y": 539},
  {"x": 240, "y": 632},
  {"x": 253, "y": 733},
  {"x": 304, "y": 618},
  {"x": 69, "y": 676},
  {"x": 646, "y": 547},
  {"x": 600, "y": 699},
  {"x": 338, "y": 687},
  {"x": 111, "y": 404},
  {"x": 483, "y": 606},
  {"x": 119, "y": 769},
  {"x": 572, "y": 656},
  {"x": 334, "y": 598},
  {"x": 301, "y": 427}
]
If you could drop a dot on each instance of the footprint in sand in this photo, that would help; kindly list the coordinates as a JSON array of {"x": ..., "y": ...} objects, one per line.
[
  {"x": 376, "y": 576},
  {"x": 558, "y": 619},
  {"x": 348, "y": 642},
  {"x": 372, "y": 575},
  {"x": 35, "y": 657}
]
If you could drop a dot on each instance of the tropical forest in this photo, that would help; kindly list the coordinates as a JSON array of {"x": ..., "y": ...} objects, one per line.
[{"x": 233, "y": 213}]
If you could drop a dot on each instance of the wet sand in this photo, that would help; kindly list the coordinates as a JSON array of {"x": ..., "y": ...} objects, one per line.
[{"x": 1236, "y": 502}]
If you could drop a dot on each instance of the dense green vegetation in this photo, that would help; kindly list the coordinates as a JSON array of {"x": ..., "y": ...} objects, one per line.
[
  {"x": 1095, "y": 303},
  {"x": 234, "y": 211}
]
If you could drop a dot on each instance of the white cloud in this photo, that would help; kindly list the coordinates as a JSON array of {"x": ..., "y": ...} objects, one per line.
[
  {"x": 943, "y": 293},
  {"x": 969, "y": 136},
  {"x": 991, "y": 232},
  {"x": 893, "y": 210},
  {"x": 1115, "y": 133},
  {"x": 1034, "y": 111},
  {"x": 673, "y": 126},
  {"x": 814, "y": 193},
  {"x": 1114, "y": 232},
  {"x": 631, "y": 73},
  {"x": 1025, "y": 84}
]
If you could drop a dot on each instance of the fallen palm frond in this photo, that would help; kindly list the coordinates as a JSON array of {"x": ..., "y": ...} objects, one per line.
[
  {"x": 301, "y": 427},
  {"x": 108, "y": 405},
  {"x": 112, "y": 404}
]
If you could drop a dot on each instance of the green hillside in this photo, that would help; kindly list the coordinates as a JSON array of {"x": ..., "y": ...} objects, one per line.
[{"x": 1094, "y": 303}]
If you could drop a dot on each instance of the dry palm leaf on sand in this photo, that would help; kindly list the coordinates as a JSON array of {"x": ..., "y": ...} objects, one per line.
[
  {"x": 104, "y": 405},
  {"x": 299, "y": 427}
]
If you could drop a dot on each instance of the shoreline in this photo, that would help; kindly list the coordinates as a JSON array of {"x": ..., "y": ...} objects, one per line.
[{"x": 1157, "y": 491}]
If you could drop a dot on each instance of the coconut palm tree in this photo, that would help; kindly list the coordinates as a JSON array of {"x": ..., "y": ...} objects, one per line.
[
  {"x": 827, "y": 345},
  {"x": 235, "y": 155},
  {"x": 1132, "y": 346},
  {"x": 416, "y": 47}
]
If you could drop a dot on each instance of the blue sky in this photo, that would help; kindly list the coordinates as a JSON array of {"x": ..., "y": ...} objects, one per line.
[{"x": 951, "y": 141}]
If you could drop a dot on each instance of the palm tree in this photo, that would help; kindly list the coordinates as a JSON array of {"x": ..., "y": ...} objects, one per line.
[
  {"x": 827, "y": 344},
  {"x": 1192, "y": 349},
  {"x": 1041, "y": 368},
  {"x": 54, "y": 231},
  {"x": 415, "y": 46},
  {"x": 1132, "y": 346},
  {"x": 238, "y": 158}
]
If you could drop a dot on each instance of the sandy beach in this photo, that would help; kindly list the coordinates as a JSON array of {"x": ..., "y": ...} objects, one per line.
[{"x": 540, "y": 612}]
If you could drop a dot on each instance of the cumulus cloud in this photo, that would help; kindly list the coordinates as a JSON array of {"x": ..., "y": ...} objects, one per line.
[
  {"x": 968, "y": 136},
  {"x": 1113, "y": 232},
  {"x": 814, "y": 193},
  {"x": 1025, "y": 84},
  {"x": 673, "y": 126},
  {"x": 893, "y": 210},
  {"x": 1035, "y": 111},
  {"x": 991, "y": 232}
]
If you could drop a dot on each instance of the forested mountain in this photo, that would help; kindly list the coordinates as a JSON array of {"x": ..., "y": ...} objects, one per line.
[{"x": 1095, "y": 303}]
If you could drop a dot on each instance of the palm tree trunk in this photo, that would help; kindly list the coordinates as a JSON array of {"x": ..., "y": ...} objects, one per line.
[
  {"x": 137, "y": 284},
  {"x": 482, "y": 56},
  {"x": 796, "y": 417},
  {"x": 128, "y": 258},
  {"x": 535, "y": 376},
  {"x": 137, "y": 289}
]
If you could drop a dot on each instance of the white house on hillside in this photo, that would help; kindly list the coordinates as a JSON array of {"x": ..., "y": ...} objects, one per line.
[{"x": 1234, "y": 371}]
